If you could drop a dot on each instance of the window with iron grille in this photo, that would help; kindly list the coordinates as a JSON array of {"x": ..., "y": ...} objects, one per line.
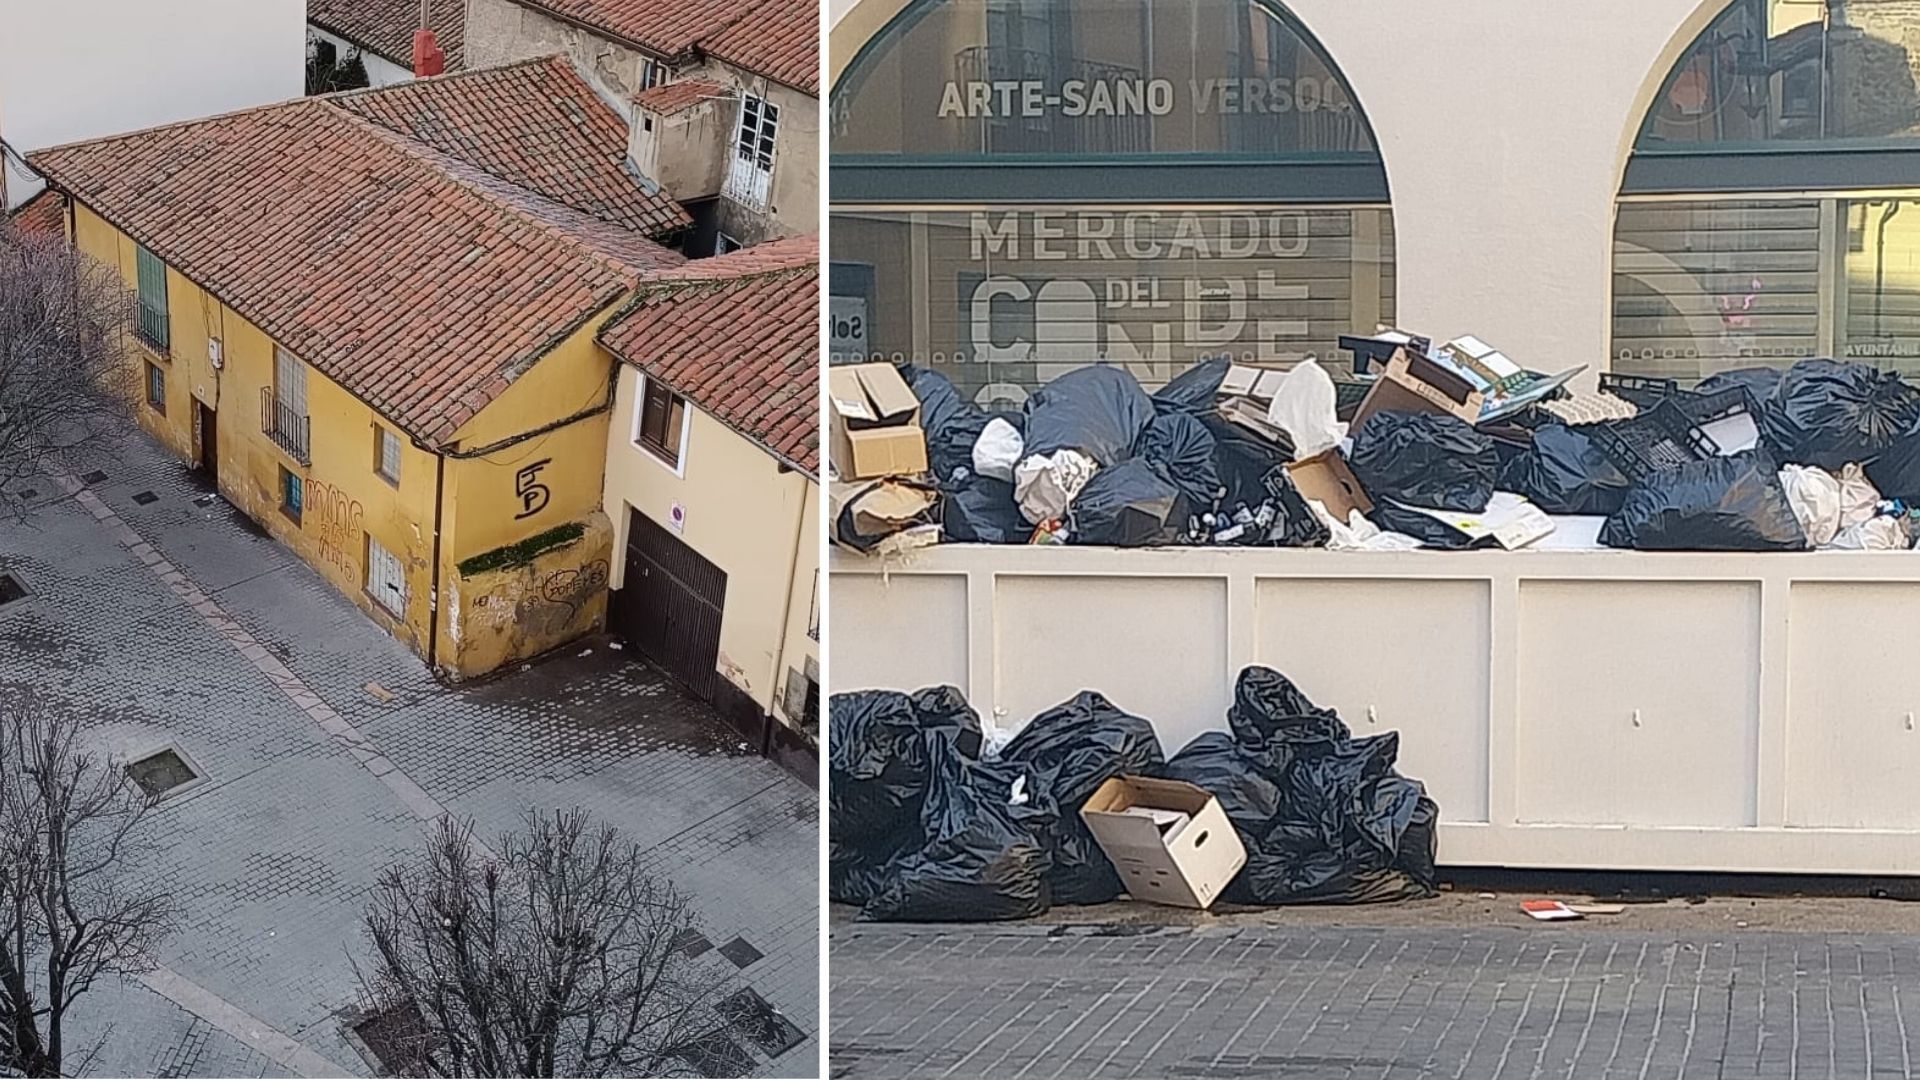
[
  {"x": 152, "y": 274},
  {"x": 660, "y": 422},
  {"x": 386, "y": 455},
  {"x": 386, "y": 578},
  {"x": 157, "y": 389}
]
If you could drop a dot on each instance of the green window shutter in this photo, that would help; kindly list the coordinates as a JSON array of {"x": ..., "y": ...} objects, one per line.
[{"x": 153, "y": 297}]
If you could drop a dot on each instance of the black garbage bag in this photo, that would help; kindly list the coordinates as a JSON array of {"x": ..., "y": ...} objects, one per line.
[
  {"x": 1193, "y": 390},
  {"x": 983, "y": 512},
  {"x": 952, "y": 423},
  {"x": 1731, "y": 503},
  {"x": 1218, "y": 765},
  {"x": 1896, "y": 472},
  {"x": 1270, "y": 713},
  {"x": 1424, "y": 459},
  {"x": 877, "y": 758},
  {"x": 1434, "y": 534},
  {"x": 1830, "y": 413},
  {"x": 1132, "y": 504},
  {"x": 858, "y": 873},
  {"x": 1099, "y": 411},
  {"x": 1082, "y": 744},
  {"x": 1244, "y": 460},
  {"x": 989, "y": 827},
  {"x": 1566, "y": 473},
  {"x": 944, "y": 710},
  {"x": 1183, "y": 448},
  {"x": 1760, "y": 382},
  {"x": 1350, "y": 831}
]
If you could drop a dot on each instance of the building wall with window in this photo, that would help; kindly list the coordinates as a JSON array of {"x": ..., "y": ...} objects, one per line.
[
  {"x": 361, "y": 502},
  {"x": 380, "y": 70},
  {"x": 740, "y": 509},
  {"x": 501, "y": 31},
  {"x": 1505, "y": 172}
]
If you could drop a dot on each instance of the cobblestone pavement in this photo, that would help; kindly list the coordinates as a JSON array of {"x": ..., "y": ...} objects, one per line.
[
  {"x": 1552, "y": 1001},
  {"x": 220, "y": 643}
]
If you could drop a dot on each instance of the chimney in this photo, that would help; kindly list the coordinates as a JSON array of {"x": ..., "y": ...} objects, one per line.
[{"x": 428, "y": 58}]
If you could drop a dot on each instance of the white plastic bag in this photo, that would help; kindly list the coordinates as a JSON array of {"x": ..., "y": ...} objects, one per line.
[
  {"x": 1873, "y": 534},
  {"x": 998, "y": 450},
  {"x": 1859, "y": 499},
  {"x": 1814, "y": 495},
  {"x": 1359, "y": 534},
  {"x": 1045, "y": 484},
  {"x": 1304, "y": 408}
]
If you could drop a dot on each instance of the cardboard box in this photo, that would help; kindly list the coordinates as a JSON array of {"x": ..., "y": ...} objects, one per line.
[
  {"x": 1185, "y": 866},
  {"x": 876, "y": 423},
  {"x": 1416, "y": 383},
  {"x": 881, "y": 508},
  {"x": 1326, "y": 477}
]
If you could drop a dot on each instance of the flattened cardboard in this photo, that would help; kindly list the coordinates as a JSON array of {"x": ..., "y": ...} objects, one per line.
[
  {"x": 1187, "y": 868},
  {"x": 876, "y": 423},
  {"x": 1414, "y": 383},
  {"x": 881, "y": 508},
  {"x": 1326, "y": 477}
]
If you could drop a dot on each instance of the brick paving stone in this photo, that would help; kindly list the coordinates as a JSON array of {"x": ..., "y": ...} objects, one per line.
[
  {"x": 1057, "y": 1001},
  {"x": 305, "y": 796}
]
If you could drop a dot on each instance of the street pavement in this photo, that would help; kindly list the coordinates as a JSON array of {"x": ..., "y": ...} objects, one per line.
[
  {"x": 163, "y": 617},
  {"x": 1564, "y": 1000}
]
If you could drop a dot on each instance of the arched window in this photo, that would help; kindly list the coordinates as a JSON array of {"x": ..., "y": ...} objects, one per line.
[
  {"x": 1771, "y": 208},
  {"x": 1024, "y": 186}
]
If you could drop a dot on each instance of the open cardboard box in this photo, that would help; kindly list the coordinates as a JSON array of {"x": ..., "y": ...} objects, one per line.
[
  {"x": 1187, "y": 866},
  {"x": 876, "y": 423},
  {"x": 1327, "y": 478},
  {"x": 1416, "y": 383}
]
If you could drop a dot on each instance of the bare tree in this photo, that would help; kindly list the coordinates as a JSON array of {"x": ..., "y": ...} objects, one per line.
[
  {"x": 65, "y": 379},
  {"x": 70, "y": 911},
  {"x": 560, "y": 956}
]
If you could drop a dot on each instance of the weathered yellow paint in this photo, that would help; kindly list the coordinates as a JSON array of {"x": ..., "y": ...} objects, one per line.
[{"x": 479, "y": 504}]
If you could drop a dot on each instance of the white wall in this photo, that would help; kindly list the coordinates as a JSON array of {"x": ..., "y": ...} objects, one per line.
[
  {"x": 78, "y": 69},
  {"x": 380, "y": 71},
  {"x": 1505, "y": 127}
]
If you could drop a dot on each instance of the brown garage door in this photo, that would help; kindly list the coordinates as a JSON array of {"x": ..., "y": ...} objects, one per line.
[{"x": 669, "y": 606}]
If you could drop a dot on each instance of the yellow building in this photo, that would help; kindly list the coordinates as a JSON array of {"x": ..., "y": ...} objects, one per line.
[
  {"x": 370, "y": 319},
  {"x": 712, "y": 485}
]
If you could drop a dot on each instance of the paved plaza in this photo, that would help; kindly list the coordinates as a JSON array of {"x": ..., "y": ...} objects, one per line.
[{"x": 159, "y": 613}]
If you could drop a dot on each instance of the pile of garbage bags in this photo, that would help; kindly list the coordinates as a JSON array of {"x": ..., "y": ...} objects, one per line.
[{"x": 931, "y": 821}]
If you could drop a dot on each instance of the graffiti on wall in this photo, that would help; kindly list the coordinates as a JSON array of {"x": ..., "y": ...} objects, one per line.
[
  {"x": 334, "y": 518},
  {"x": 573, "y": 587},
  {"x": 533, "y": 494}
]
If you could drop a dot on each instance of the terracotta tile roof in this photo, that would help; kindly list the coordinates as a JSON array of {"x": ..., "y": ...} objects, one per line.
[
  {"x": 779, "y": 39},
  {"x": 536, "y": 124},
  {"x": 738, "y": 336},
  {"x": 420, "y": 284},
  {"x": 385, "y": 27},
  {"x": 671, "y": 97},
  {"x": 44, "y": 214}
]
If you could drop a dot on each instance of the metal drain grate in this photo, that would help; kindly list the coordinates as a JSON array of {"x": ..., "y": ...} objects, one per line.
[
  {"x": 158, "y": 774},
  {"x": 718, "y": 1055},
  {"x": 691, "y": 943},
  {"x": 11, "y": 589},
  {"x": 146, "y": 497},
  {"x": 761, "y": 1024},
  {"x": 740, "y": 952}
]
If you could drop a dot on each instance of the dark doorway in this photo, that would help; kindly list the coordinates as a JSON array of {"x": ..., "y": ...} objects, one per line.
[
  {"x": 669, "y": 606},
  {"x": 209, "y": 443}
]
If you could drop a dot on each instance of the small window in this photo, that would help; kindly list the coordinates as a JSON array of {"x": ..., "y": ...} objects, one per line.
[
  {"x": 660, "y": 423},
  {"x": 152, "y": 326},
  {"x": 386, "y": 455},
  {"x": 654, "y": 73},
  {"x": 157, "y": 389},
  {"x": 386, "y": 578},
  {"x": 293, "y": 494}
]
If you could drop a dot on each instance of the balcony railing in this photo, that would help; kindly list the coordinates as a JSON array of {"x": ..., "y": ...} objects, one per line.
[
  {"x": 152, "y": 327},
  {"x": 284, "y": 424}
]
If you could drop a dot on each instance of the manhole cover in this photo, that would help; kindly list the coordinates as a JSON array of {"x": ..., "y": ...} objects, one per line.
[
  {"x": 11, "y": 589},
  {"x": 717, "y": 1055},
  {"x": 160, "y": 773},
  {"x": 740, "y": 952},
  {"x": 398, "y": 1038},
  {"x": 146, "y": 497},
  {"x": 94, "y": 477},
  {"x": 760, "y": 1023}
]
